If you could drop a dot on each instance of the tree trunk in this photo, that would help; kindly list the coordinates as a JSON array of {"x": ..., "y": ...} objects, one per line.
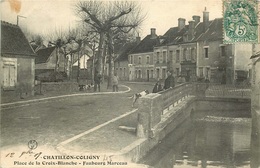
[
  {"x": 78, "y": 67},
  {"x": 57, "y": 60},
  {"x": 110, "y": 52},
  {"x": 104, "y": 62},
  {"x": 93, "y": 67},
  {"x": 71, "y": 65},
  {"x": 99, "y": 55}
]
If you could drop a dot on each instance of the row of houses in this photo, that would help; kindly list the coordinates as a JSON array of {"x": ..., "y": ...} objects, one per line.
[
  {"x": 194, "y": 51},
  {"x": 21, "y": 62}
]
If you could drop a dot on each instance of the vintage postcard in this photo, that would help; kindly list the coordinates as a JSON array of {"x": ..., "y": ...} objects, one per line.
[{"x": 150, "y": 83}]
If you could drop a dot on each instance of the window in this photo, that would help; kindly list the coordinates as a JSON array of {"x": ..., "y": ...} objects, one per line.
[
  {"x": 206, "y": 52},
  {"x": 164, "y": 56},
  {"x": 163, "y": 73},
  {"x": 201, "y": 72},
  {"x": 147, "y": 60},
  {"x": 136, "y": 74},
  {"x": 157, "y": 73},
  {"x": 177, "y": 56},
  {"x": 120, "y": 72},
  {"x": 151, "y": 73},
  {"x": 223, "y": 51},
  {"x": 139, "y": 74},
  {"x": 131, "y": 59},
  {"x": 185, "y": 54},
  {"x": 207, "y": 72},
  {"x": 9, "y": 75},
  {"x": 139, "y": 60},
  {"x": 157, "y": 57},
  {"x": 170, "y": 58},
  {"x": 124, "y": 72},
  {"x": 193, "y": 54},
  {"x": 188, "y": 55}
]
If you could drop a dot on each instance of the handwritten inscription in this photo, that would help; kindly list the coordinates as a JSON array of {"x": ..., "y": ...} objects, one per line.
[{"x": 29, "y": 153}]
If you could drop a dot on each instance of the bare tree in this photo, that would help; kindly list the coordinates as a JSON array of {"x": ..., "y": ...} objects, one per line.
[
  {"x": 108, "y": 19},
  {"x": 57, "y": 39}
]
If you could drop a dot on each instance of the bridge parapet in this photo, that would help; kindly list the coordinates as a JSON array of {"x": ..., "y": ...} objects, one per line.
[
  {"x": 172, "y": 96},
  {"x": 153, "y": 107}
]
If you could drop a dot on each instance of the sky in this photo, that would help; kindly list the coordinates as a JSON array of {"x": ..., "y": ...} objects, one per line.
[{"x": 42, "y": 16}]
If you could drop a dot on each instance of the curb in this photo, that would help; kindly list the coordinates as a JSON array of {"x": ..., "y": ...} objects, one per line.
[{"x": 63, "y": 96}]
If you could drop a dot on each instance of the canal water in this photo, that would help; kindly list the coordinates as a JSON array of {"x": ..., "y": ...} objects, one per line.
[{"x": 206, "y": 141}]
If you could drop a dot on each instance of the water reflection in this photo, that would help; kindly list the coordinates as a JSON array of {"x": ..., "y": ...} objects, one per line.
[{"x": 206, "y": 142}]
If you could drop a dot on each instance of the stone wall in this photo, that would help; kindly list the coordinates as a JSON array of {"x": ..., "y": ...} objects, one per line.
[
  {"x": 255, "y": 110},
  {"x": 58, "y": 87},
  {"x": 255, "y": 138},
  {"x": 154, "y": 123}
]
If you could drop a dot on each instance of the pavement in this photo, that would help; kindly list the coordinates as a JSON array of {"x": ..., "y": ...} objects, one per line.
[{"x": 107, "y": 138}]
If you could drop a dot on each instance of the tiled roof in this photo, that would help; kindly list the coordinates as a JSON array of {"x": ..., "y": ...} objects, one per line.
[
  {"x": 214, "y": 32},
  {"x": 43, "y": 55},
  {"x": 124, "y": 49},
  {"x": 13, "y": 41},
  {"x": 174, "y": 35},
  {"x": 146, "y": 45}
]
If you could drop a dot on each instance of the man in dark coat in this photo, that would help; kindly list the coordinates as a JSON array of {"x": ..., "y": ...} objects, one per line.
[
  {"x": 157, "y": 87},
  {"x": 169, "y": 81},
  {"x": 97, "y": 81}
]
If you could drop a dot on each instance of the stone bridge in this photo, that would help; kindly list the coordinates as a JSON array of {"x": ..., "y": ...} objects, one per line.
[{"x": 160, "y": 113}]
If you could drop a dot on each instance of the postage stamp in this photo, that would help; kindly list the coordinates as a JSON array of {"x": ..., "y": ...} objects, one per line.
[{"x": 240, "y": 21}]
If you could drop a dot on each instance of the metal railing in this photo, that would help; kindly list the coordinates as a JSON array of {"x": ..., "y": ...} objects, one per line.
[{"x": 228, "y": 91}]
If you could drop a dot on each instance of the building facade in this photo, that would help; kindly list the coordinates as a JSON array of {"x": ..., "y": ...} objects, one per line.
[
  {"x": 121, "y": 66},
  {"x": 17, "y": 63},
  {"x": 194, "y": 51},
  {"x": 141, "y": 59}
]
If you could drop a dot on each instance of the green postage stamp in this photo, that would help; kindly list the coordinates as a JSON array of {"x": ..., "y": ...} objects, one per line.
[{"x": 240, "y": 21}]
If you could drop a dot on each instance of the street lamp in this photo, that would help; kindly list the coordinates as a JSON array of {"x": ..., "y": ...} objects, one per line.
[{"x": 18, "y": 18}]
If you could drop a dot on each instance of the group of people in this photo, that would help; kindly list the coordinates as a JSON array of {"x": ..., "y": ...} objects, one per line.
[
  {"x": 168, "y": 83},
  {"x": 98, "y": 79}
]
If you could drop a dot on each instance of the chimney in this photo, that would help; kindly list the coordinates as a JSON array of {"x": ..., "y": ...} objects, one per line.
[
  {"x": 205, "y": 19},
  {"x": 153, "y": 33},
  {"x": 181, "y": 23},
  {"x": 196, "y": 19},
  {"x": 191, "y": 29}
]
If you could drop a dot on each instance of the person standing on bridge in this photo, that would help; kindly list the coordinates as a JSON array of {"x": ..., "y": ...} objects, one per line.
[
  {"x": 157, "y": 87},
  {"x": 169, "y": 81}
]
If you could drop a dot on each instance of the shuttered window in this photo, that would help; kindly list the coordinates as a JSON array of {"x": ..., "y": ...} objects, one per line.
[{"x": 9, "y": 75}]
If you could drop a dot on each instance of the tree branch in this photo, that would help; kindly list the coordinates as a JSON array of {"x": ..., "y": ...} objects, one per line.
[
  {"x": 92, "y": 17},
  {"x": 119, "y": 15}
]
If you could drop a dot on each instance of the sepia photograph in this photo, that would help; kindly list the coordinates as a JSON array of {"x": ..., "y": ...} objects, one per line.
[{"x": 130, "y": 84}]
